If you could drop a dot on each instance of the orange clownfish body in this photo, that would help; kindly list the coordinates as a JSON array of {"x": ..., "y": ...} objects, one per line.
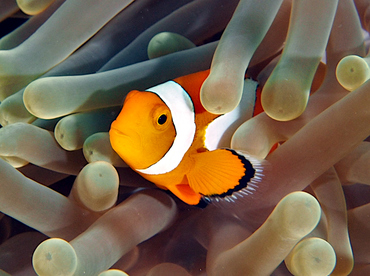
[{"x": 166, "y": 135}]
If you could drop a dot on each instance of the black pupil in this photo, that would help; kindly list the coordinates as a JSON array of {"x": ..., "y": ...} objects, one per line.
[{"x": 162, "y": 119}]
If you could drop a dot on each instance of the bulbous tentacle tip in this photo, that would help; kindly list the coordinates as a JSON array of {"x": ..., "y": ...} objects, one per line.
[
  {"x": 220, "y": 96},
  {"x": 300, "y": 211},
  {"x": 113, "y": 272},
  {"x": 54, "y": 257},
  {"x": 352, "y": 71},
  {"x": 284, "y": 100},
  {"x": 311, "y": 256},
  {"x": 165, "y": 43}
]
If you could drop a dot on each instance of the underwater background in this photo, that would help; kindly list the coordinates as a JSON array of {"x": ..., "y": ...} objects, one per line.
[{"x": 69, "y": 205}]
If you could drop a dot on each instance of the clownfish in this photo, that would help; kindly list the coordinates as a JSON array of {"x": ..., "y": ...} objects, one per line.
[{"x": 166, "y": 135}]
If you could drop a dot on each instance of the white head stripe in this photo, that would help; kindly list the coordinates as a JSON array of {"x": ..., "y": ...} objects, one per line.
[{"x": 183, "y": 117}]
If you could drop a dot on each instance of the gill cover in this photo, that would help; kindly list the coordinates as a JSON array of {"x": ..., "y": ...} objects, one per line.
[{"x": 143, "y": 131}]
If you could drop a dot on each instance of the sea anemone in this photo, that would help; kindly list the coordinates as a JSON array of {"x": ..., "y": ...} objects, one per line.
[{"x": 70, "y": 206}]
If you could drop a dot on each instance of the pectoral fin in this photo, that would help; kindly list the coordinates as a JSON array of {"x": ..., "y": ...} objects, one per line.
[{"x": 223, "y": 172}]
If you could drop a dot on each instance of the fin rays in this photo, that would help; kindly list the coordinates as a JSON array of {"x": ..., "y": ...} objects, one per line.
[
  {"x": 251, "y": 187},
  {"x": 217, "y": 172},
  {"x": 203, "y": 183}
]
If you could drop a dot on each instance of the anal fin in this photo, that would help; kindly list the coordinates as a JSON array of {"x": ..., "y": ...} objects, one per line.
[
  {"x": 223, "y": 173},
  {"x": 185, "y": 193}
]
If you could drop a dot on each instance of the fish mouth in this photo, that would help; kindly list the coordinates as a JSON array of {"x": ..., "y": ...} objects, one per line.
[
  {"x": 117, "y": 132},
  {"x": 128, "y": 135}
]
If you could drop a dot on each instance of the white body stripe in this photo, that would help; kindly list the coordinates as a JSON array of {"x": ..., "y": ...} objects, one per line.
[
  {"x": 183, "y": 117},
  {"x": 219, "y": 131}
]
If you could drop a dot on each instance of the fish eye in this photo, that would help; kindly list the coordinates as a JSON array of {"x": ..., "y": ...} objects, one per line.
[{"x": 162, "y": 119}]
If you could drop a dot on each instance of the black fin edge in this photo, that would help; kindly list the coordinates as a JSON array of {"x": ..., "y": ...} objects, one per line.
[{"x": 247, "y": 184}]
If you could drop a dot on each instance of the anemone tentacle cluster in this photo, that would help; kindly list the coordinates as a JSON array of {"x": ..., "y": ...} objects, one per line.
[{"x": 70, "y": 206}]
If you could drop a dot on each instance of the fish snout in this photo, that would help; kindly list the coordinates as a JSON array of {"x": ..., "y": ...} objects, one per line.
[
  {"x": 123, "y": 133},
  {"x": 115, "y": 129}
]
